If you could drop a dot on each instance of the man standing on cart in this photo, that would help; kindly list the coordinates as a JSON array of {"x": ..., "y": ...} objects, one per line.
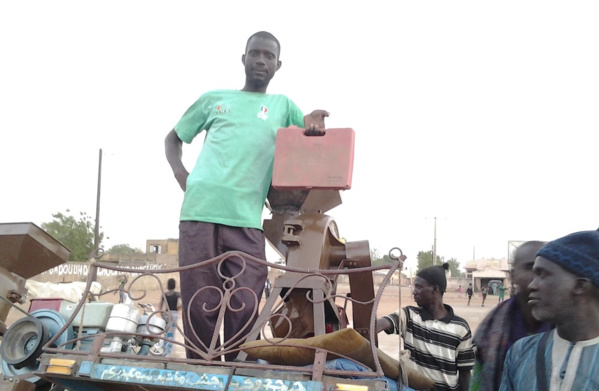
[{"x": 226, "y": 191}]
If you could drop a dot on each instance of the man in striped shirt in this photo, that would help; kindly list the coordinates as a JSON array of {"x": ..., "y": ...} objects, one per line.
[
  {"x": 440, "y": 342},
  {"x": 564, "y": 292}
]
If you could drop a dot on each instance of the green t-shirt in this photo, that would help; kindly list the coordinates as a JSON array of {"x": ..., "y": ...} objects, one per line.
[{"x": 232, "y": 175}]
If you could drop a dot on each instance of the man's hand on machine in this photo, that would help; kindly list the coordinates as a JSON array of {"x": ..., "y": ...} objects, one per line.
[{"x": 314, "y": 123}]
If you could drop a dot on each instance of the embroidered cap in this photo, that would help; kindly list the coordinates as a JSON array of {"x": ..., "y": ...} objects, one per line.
[{"x": 578, "y": 253}]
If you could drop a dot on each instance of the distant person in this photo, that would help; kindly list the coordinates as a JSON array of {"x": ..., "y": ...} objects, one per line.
[
  {"x": 510, "y": 321},
  {"x": 469, "y": 292},
  {"x": 440, "y": 343},
  {"x": 123, "y": 297},
  {"x": 173, "y": 304},
  {"x": 564, "y": 292},
  {"x": 483, "y": 292},
  {"x": 460, "y": 291},
  {"x": 501, "y": 292}
]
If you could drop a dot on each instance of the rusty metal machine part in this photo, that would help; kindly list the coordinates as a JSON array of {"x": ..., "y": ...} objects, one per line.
[
  {"x": 25, "y": 251},
  {"x": 397, "y": 255},
  {"x": 12, "y": 290},
  {"x": 361, "y": 286},
  {"x": 309, "y": 239},
  {"x": 286, "y": 204}
]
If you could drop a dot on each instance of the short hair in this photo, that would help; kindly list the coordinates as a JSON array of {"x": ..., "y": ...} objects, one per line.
[
  {"x": 264, "y": 35},
  {"x": 171, "y": 284},
  {"x": 531, "y": 243}
]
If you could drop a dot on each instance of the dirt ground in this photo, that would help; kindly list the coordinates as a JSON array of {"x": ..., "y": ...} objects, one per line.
[{"x": 390, "y": 302}]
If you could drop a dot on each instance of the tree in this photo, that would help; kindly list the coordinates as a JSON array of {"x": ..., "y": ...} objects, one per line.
[
  {"x": 377, "y": 260},
  {"x": 425, "y": 259},
  {"x": 77, "y": 235},
  {"x": 454, "y": 267},
  {"x": 375, "y": 254},
  {"x": 123, "y": 249},
  {"x": 385, "y": 260}
]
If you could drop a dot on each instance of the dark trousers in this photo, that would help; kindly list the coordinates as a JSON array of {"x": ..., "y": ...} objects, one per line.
[{"x": 198, "y": 242}]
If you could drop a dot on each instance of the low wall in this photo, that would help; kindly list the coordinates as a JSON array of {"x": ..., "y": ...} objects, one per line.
[
  {"x": 453, "y": 283},
  {"x": 110, "y": 279}
]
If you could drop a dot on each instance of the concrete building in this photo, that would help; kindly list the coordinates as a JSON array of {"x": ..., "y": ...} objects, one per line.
[
  {"x": 481, "y": 272},
  {"x": 162, "y": 246}
]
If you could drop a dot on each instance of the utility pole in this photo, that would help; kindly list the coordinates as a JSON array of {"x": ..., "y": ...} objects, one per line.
[
  {"x": 474, "y": 260},
  {"x": 97, "y": 227}
]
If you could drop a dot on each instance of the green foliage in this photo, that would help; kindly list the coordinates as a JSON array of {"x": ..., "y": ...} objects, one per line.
[
  {"x": 375, "y": 254},
  {"x": 425, "y": 259},
  {"x": 385, "y": 260},
  {"x": 377, "y": 260},
  {"x": 454, "y": 267},
  {"x": 123, "y": 249},
  {"x": 76, "y": 234}
]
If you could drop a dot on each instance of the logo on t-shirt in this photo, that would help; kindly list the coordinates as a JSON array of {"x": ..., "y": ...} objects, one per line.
[
  {"x": 223, "y": 109},
  {"x": 263, "y": 113}
]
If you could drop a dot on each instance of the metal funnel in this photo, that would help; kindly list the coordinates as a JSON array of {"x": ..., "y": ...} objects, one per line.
[{"x": 27, "y": 250}]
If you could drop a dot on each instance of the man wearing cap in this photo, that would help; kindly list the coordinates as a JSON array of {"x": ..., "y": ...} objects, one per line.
[
  {"x": 565, "y": 292},
  {"x": 440, "y": 342}
]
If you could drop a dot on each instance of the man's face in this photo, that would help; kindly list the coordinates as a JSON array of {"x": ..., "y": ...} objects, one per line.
[
  {"x": 423, "y": 292},
  {"x": 261, "y": 61},
  {"x": 551, "y": 290},
  {"x": 522, "y": 274}
]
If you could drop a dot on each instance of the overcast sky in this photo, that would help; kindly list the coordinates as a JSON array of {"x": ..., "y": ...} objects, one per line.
[{"x": 482, "y": 114}]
